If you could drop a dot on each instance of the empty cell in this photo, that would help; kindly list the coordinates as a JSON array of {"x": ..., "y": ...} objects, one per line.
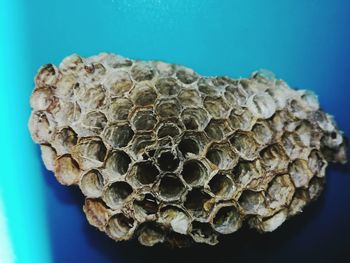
[
  {"x": 216, "y": 107},
  {"x": 197, "y": 203},
  {"x": 144, "y": 120},
  {"x": 146, "y": 172},
  {"x": 167, "y": 161},
  {"x": 195, "y": 118},
  {"x": 142, "y": 71},
  {"x": 217, "y": 129},
  {"x": 203, "y": 233},
  {"x": 118, "y": 135},
  {"x": 241, "y": 120},
  {"x": 222, "y": 186},
  {"x": 90, "y": 152},
  {"x": 170, "y": 188},
  {"x": 274, "y": 158},
  {"x": 188, "y": 145},
  {"x": 222, "y": 156},
  {"x": 94, "y": 121},
  {"x": 167, "y": 86},
  {"x": 120, "y": 227},
  {"x": 67, "y": 170},
  {"x": 193, "y": 172},
  {"x": 245, "y": 144},
  {"x": 117, "y": 163},
  {"x": 91, "y": 183},
  {"x": 150, "y": 233},
  {"x": 64, "y": 140},
  {"x": 176, "y": 218},
  {"x": 190, "y": 98},
  {"x": 168, "y": 108},
  {"x": 143, "y": 94},
  {"x": 97, "y": 213},
  {"x": 186, "y": 75},
  {"x": 141, "y": 141},
  {"x": 168, "y": 129},
  {"x": 118, "y": 83},
  {"x": 119, "y": 109},
  {"x": 227, "y": 220},
  {"x": 148, "y": 205},
  {"x": 116, "y": 194}
]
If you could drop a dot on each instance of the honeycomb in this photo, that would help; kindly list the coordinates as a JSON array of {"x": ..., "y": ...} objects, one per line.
[{"x": 163, "y": 154}]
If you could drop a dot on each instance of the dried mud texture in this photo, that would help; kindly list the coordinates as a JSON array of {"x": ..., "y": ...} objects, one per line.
[{"x": 163, "y": 154}]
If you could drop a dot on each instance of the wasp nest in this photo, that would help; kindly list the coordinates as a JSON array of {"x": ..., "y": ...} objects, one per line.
[{"x": 163, "y": 154}]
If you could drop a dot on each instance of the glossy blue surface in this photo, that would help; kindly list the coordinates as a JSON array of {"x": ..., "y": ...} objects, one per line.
[{"x": 307, "y": 43}]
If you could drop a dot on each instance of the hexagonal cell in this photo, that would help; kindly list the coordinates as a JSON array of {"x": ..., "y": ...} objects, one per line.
[
  {"x": 167, "y": 86},
  {"x": 67, "y": 170},
  {"x": 203, "y": 233},
  {"x": 261, "y": 105},
  {"x": 190, "y": 98},
  {"x": 48, "y": 155},
  {"x": 117, "y": 164},
  {"x": 146, "y": 173},
  {"x": 293, "y": 146},
  {"x": 164, "y": 69},
  {"x": 116, "y": 194},
  {"x": 89, "y": 152},
  {"x": 118, "y": 83},
  {"x": 176, "y": 218},
  {"x": 300, "y": 173},
  {"x": 296, "y": 108},
  {"x": 317, "y": 164},
  {"x": 262, "y": 132},
  {"x": 170, "y": 187},
  {"x": 141, "y": 141},
  {"x": 118, "y": 135},
  {"x": 300, "y": 199},
  {"x": 198, "y": 203},
  {"x": 195, "y": 118},
  {"x": 115, "y": 61},
  {"x": 253, "y": 203},
  {"x": 271, "y": 223},
  {"x": 315, "y": 187},
  {"x": 194, "y": 172},
  {"x": 324, "y": 121},
  {"x": 41, "y": 98},
  {"x": 274, "y": 158},
  {"x": 144, "y": 120},
  {"x": 65, "y": 86},
  {"x": 91, "y": 183},
  {"x": 64, "y": 140},
  {"x": 146, "y": 207},
  {"x": 142, "y": 71},
  {"x": 66, "y": 113},
  {"x": 278, "y": 93},
  {"x": 71, "y": 64},
  {"x": 167, "y": 161},
  {"x": 307, "y": 134},
  {"x": 207, "y": 87},
  {"x": 41, "y": 127},
  {"x": 245, "y": 144},
  {"x": 280, "y": 192},
  {"x": 168, "y": 129},
  {"x": 119, "y": 109},
  {"x": 143, "y": 94},
  {"x": 94, "y": 121},
  {"x": 227, "y": 219},
  {"x": 217, "y": 129},
  {"x": 242, "y": 120},
  {"x": 192, "y": 143},
  {"x": 245, "y": 172},
  {"x": 168, "y": 108},
  {"x": 150, "y": 233},
  {"x": 222, "y": 186},
  {"x": 47, "y": 76},
  {"x": 222, "y": 156},
  {"x": 91, "y": 98},
  {"x": 120, "y": 227},
  {"x": 236, "y": 95},
  {"x": 97, "y": 213},
  {"x": 186, "y": 75},
  {"x": 217, "y": 107}
]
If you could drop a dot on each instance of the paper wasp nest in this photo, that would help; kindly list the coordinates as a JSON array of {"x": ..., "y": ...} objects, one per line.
[{"x": 163, "y": 154}]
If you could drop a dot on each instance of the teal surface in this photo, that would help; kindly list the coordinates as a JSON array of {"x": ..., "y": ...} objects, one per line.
[{"x": 304, "y": 42}]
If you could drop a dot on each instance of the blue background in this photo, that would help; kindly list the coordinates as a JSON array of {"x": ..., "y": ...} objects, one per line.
[{"x": 307, "y": 43}]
